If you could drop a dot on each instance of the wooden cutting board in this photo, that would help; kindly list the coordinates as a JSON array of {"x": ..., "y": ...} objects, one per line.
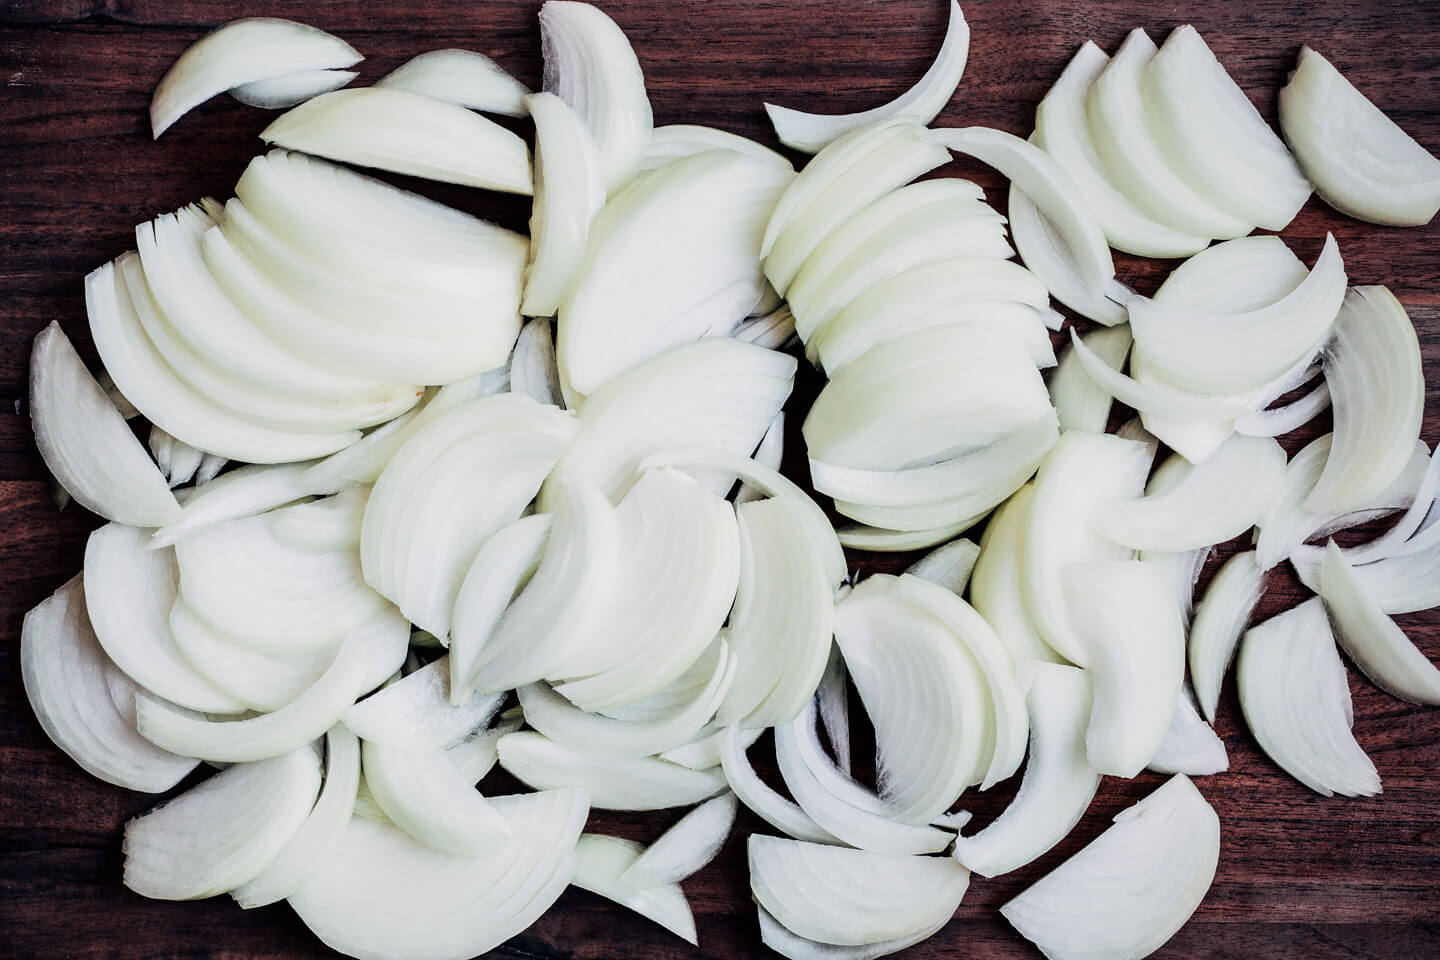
[{"x": 1299, "y": 875}]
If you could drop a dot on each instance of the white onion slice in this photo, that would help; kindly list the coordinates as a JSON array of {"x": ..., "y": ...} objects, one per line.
[
  {"x": 1296, "y": 699},
  {"x": 241, "y": 493},
  {"x": 1360, "y": 161},
  {"x": 1278, "y": 421},
  {"x": 1377, "y": 645},
  {"x": 569, "y": 190},
  {"x": 1047, "y": 255},
  {"x": 1059, "y": 781},
  {"x": 852, "y": 897},
  {"x": 313, "y": 842},
  {"x": 1190, "y": 746},
  {"x": 995, "y": 584},
  {"x": 1219, "y": 620},
  {"x": 1080, "y": 403},
  {"x": 288, "y": 89},
  {"x": 1377, "y": 383},
  {"x": 1050, "y": 188},
  {"x": 177, "y": 460},
  {"x": 1127, "y": 891},
  {"x": 418, "y": 709},
  {"x": 677, "y": 140},
  {"x": 613, "y": 783},
  {"x": 601, "y": 862},
  {"x": 383, "y": 895},
  {"x": 795, "y": 947},
  {"x": 685, "y": 848},
  {"x": 462, "y": 77},
  {"x": 832, "y": 698},
  {"x": 1213, "y": 136},
  {"x": 329, "y": 523},
  {"x": 768, "y": 453},
  {"x": 1061, "y": 130},
  {"x": 809, "y": 132},
  {"x": 780, "y": 812},
  {"x": 1406, "y": 537},
  {"x": 86, "y": 443},
  {"x": 590, "y": 64},
  {"x": 242, "y": 52},
  {"x": 1405, "y": 582},
  {"x": 221, "y": 833},
  {"x": 1135, "y": 646},
  {"x": 949, "y": 565},
  {"x": 425, "y": 794},
  {"x": 84, "y": 704},
  {"x": 408, "y": 133}
]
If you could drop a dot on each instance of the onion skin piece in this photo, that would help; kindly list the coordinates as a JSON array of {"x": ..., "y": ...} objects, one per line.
[
  {"x": 1360, "y": 161},
  {"x": 810, "y": 132},
  {"x": 241, "y": 52},
  {"x": 462, "y": 77},
  {"x": 286, "y": 90},
  {"x": 1219, "y": 621}
]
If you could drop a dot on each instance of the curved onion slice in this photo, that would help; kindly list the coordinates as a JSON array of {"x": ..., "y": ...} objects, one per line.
[
  {"x": 852, "y": 897},
  {"x": 1296, "y": 700},
  {"x": 330, "y": 523},
  {"x": 418, "y": 710},
  {"x": 1219, "y": 498},
  {"x": 1135, "y": 645},
  {"x": 1080, "y": 403},
  {"x": 1081, "y": 471},
  {"x": 684, "y": 849},
  {"x": 995, "y": 584},
  {"x": 1059, "y": 781},
  {"x": 462, "y": 77},
  {"x": 809, "y": 132},
  {"x": 86, "y": 443},
  {"x": 590, "y": 64},
  {"x": 633, "y": 783},
  {"x": 568, "y": 193},
  {"x": 311, "y": 844},
  {"x": 1376, "y": 644},
  {"x": 601, "y": 861},
  {"x": 383, "y": 895},
  {"x": 241, "y": 493},
  {"x": 795, "y": 947},
  {"x": 949, "y": 565},
  {"x": 1219, "y": 620},
  {"x": 84, "y": 704},
  {"x": 1191, "y": 746},
  {"x": 1406, "y": 537},
  {"x": 1377, "y": 382},
  {"x": 1050, "y": 188},
  {"x": 679, "y": 140},
  {"x": 129, "y": 590},
  {"x": 1215, "y": 352},
  {"x": 1402, "y": 583},
  {"x": 423, "y": 793},
  {"x": 1061, "y": 130},
  {"x": 769, "y": 453},
  {"x": 1127, "y": 891},
  {"x": 405, "y": 132},
  {"x": 1213, "y": 136},
  {"x": 242, "y": 52},
  {"x": 1123, "y": 128},
  {"x": 1360, "y": 161},
  {"x": 1278, "y": 421},
  {"x": 288, "y": 89},
  {"x": 780, "y": 812},
  {"x": 1047, "y": 255},
  {"x": 855, "y": 169},
  {"x": 221, "y": 833}
]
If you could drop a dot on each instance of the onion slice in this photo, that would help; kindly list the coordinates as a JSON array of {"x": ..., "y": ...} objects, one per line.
[
  {"x": 1080, "y": 402},
  {"x": 569, "y": 191},
  {"x": 780, "y": 812},
  {"x": 462, "y": 77},
  {"x": 949, "y": 565},
  {"x": 1047, "y": 254},
  {"x": 288, "y": 89},
  {"x": 795, "y": 947},
  {"x": 633, "y": 783},
  {"x": 1190, "y": 746},
  {"x": 425, "y": 794},
  {"x": 810, "y": 132},
  {"x": 601, "y": 862},
  {"x": 1219, "y": 620},
  {"x": 418, "y": 710},
  {"x": 685, "y": 848},
  {"x": 995, "y": 583}
]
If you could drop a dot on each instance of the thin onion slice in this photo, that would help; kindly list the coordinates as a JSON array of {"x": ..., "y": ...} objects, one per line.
[
  {"x": 949, "y": 565},
  {"x": 1190, "y": 746},
  {"x": 462, "y": 77},
  {"x": 795, "y": 947},
  {"x": 634, "y": 783},
  {"x": 288, "y": 89},
  {"x": 418, "y": 709},
  {"x": 241, "y": 493},
  {"x": 780, "y": 812},
  {"x": 1278, "y": 421},
  {"x": 569, "y": 191},
  {"x": 1080, "y": 402},
  {"x": 425, "y": 794},
  {"x": 685, "y": 848},
  {"x": 996, "y": 591},
  {"x": 833, "y": 701},
  {"x": 1219, "y": 621},
  {"x": 1047, "y": 255},
  {"x": 601, "y": 862},
  {"x": 679, "y": 140}
]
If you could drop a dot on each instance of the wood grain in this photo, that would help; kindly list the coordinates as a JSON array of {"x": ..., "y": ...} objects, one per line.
[{"x": 1299, "y": 876}]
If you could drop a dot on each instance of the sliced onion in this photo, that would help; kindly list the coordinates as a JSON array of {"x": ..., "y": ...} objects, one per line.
[
  {"x": 780, "y": 812},
  {"x": 1219, "y": 620},
  {"x": 859, "y": 536},
  {"x": 1296, "y": 700},
  {"x": 382, "y": 894},
  {"x": 1135, "y": 645},
  {"x": 210, "y": 467},
  {"x": 1292, "y": 416},
  {"x": 462, "y": 77},
  {"x": 314, "y": 841},
  {"x": 1127, "y": 891},
  {"x": 810, "y": 132},
  {"x": 590, "y": 64},
  {"x": 633, "y": 783},
  {"x": 1406, "y": 537},
  {"x": 221, "y": 833},
  {"x": 1191, "y": 746},
  {"x": 329, "y": 523},
  {"x": 1377, "y": 645},
  {"x": 177, "y": 461},
  {"x": 995, "y": 584},
  {"x": 773, "y": 331},
  {"x": 84, "y": 704},
  {"x": 423, "y": 793},
  {"x": 1080, "y": 403},
  {"x": 602, "y": 861},
  {"x": 832, "y": 698},
  {"x": 288, "y": 89},
  {"x": 1047, "y": 254},
  {"x": 1402, "y": 583},
  {"x": 1059, "y": 781},
  {"x": 241, "y": 493},
  {"x": 855, "y": 169},
  {"x": 852, "y": 897},
  {"x": 795, "y": 947},
  {"x": 569, "y": 190},
  {"x": 949, "y": 565},
  {"x": 239, "y": 53},
  {"x": 408, "y": 133},
  {"x": 1377, "y": 380},
  {"x": 418, "y": 710},
  {"x": 679, "y": 140},
  {"x": 684, "y": 849},
  {"x": 768, "y": 453},
  {"x": 1050, "y": 188},
  {"x": 1213, "y": 136}
]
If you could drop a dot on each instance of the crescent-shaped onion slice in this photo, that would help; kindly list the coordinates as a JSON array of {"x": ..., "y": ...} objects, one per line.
[{"x": 462, "y": 77}]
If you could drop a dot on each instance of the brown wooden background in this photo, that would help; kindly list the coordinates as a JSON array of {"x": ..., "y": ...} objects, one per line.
[{"x": 1299, "y": 876}]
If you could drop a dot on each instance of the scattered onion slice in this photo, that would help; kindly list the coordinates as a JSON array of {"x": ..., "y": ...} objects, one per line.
[
  {"x": 949, "y": 565},
  {"x": 425, "y": 794},
  {"x": 780, "y": 812},
  {"x": 418, "y": 710},
  {"x": 601, "y": 862},
  {"x": 679, "y": 140},
  {"x": 569, "y": 191},
  {"x": 1080, "y": 402},
  {"x": 995, "y": 584},
  {"x": 462, "y": 77},
  {"x": 1219, "y": 620},
  {"x": 632, "y": 783},
  {"x": 1190, "y": 746},
  {"x": 795, "y": 947},
  {"x": 685, "y": 848},
  {"x": 1047, "y": 255},
  {"x": 288, "y": 89}
]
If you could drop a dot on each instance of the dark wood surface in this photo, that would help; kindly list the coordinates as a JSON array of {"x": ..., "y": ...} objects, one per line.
[{"x": 1299, "y": 875}]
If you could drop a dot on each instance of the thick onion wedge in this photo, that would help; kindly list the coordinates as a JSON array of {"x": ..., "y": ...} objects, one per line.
[
  {"x": 405, "y": 132},
  {"x": 601, "y": 861},
  {"x": 1059, "y": 781},
  {"x": 1190, "y": 746},
  {"x": 242, "y": 52},
  {"x": 84, "y": 704},
  {"x": 1130, "y": 889},
  {"x": 852, "y": 897},
  {"x": 780, "y": 812},
  {"x": 995, "y": 585},
  {"x": 86, "y": 443},
  {"x": 637, "y": 783},
  {"x": 1377, "y": 384},
  {"x": 221, "y": 833},
  {"x": 1081, "y": 403},
  {"x": 810, "y": 132},
  {"x": 1219, "y": 621},
  {"x": 462, "y": 77},
  {"x": 568, "y": 193},
  {"x": 684, "y": 849},
  {"x": 383, "y": 896},
  {"x": 1047, "y": 255},
  {"x": 418, "y": 710},
  {"x": 1296, "y": 699},
  {"x": 288, "y": 89},
  {"x": 423, "y": 793}
]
